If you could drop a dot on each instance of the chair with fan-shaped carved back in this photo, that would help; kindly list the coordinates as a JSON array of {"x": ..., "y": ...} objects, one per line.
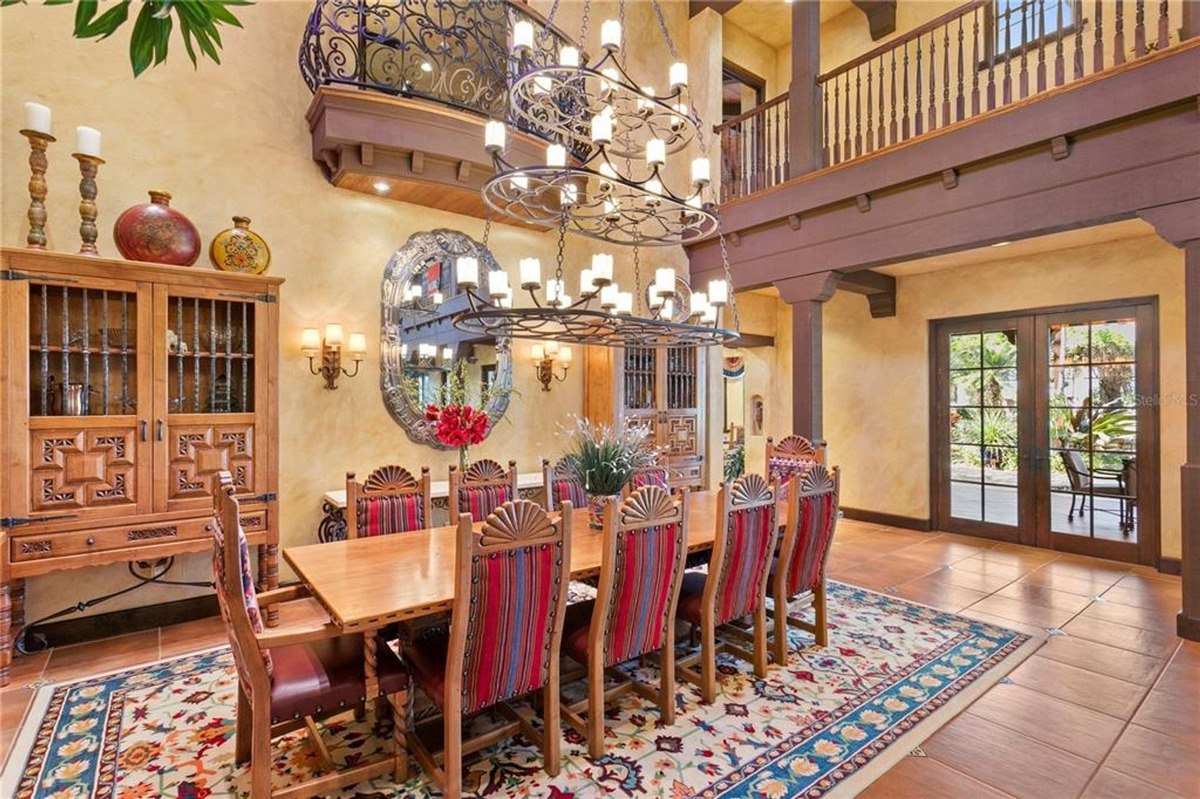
[
  {"x": 800, "y": 570},
  {"x": 484, "y": 486},
  {"x": 653, "y": 475},
  {"x": 504, "y": 636},
  {"x": 735, "y": 586},
  {"x": 391, "y": 500},
  {"x": 792, "y": 457},
  {"x": 561, "y": 485},
  {"x": 642, "y": 561}
]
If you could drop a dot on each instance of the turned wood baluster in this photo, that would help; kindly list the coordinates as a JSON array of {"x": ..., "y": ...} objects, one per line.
[
  {"x": 857, "y": 112},
  {"x": 1075, "y": 9},
  {"x": 272, "y": 551},
  {"x": 931, "y": 122},
  {"x": 893, "y": 131},
  {"x": 975, "y": 61},
  {"x": 882, "y": 139},
  {"x": 1006, "y": 86},
  {"x": 870, "y": 111},
  {"x": 904, "y": 123},
  {"x": 778, "y": 112},
  {"x": 825, "y": 124},
  {"x": 1023, "y": 78},
  {"x": 1139, "y": 28},
  {"x": 1060, "y": 73},
  {"x": 946, "y": 73},
  {"x": 1098, "y": 46},
  {"x": 837, "y": 121},
  {"x": 918, "y": 117},
  {"x": 989, "y": 46},
  {"x": 1164, "y": 25},
  {"x": 960, "y": 102},
  {"x": 787, "y": 150},
  {"x": 1041, "y": 65},
  {"x": 1119, "y": 34},
  {"x": 846, "y": 144}
]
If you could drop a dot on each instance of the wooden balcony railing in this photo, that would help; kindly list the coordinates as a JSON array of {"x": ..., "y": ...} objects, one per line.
[{"x": 975, "y": 59}]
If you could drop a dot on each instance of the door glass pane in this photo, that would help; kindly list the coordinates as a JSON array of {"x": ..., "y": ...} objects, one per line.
[
  {"x": 640, "y": 387},
  {"x": 681, "y": 378},
  {"x": 1093, "y": 429},
  {"x": 82, "y": 351},
  {"x": 210, "y": 355},
  {"x": 984, "y": 451}
]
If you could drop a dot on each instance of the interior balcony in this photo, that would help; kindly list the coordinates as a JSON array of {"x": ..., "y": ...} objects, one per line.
[{"x": 402, "y": 90}]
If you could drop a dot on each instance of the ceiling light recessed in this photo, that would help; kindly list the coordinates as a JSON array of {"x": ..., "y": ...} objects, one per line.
[{"x": 382, "y": 186}]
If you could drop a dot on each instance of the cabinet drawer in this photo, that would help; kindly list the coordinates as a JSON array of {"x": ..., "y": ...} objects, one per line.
[
  {"x": 55, "y": 545},
  {"x": 687, "y": 473}
]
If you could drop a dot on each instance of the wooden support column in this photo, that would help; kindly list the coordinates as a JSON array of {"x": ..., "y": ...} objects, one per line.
[
  {"x": 1190, "y": 25},
  {"x": 804, "y": 96},
  {"x": 1179, "y": 223},
  {"x": 806, "y": 295}
]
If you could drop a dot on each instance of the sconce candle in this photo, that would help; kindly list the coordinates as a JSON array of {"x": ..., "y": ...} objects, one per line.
[
  {"x": 310, "y": 341},
  {"x": 544, "y": 356},
  {"x": 357, "y": 346},
  {"x": 329, "y": 351},
  {"x": 333, "y": 335},
  {"x": 37, "y": 118}
]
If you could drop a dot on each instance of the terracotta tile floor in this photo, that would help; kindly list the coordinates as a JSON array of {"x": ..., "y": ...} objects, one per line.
[{"x": 1106, "y": 709}]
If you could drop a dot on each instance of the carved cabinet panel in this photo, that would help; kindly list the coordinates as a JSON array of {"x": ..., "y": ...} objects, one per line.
[
  {"x": 197, "y": 452},
  {"x": 77, "y": 470}
]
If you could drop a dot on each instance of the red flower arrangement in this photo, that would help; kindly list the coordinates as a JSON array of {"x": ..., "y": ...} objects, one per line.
[{"x": 459, "y": 426}]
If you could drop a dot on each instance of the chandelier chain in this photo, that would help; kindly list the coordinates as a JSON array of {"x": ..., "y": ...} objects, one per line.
[
  {"x": 562, "y": 243},
  {"x": 487, "y": 229},
  {"x": 637, "y": 277},
  {"x": 662, "y": 23},
  {"x": 737, "y": 320},
  {"x": 583, "y": 27}
]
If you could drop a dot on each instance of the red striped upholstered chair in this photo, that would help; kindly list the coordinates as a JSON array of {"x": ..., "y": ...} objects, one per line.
[
  {"x": 288, "y": 678},
  {"x": 643, "y": 550},
  {"x": 561, "y": 486},
  {"x": 800, "y": 571},
  {"x": 482, "y": 488},
  {"x": 736, "y": 583},
  {"x": 504, "y": 638},
  {"x": 792, "y": 457},
  {"x": 389, "y": 501},
  {"x": 655, "y": 475}
]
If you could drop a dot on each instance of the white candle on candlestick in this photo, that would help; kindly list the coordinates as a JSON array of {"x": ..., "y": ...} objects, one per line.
[
  {"x": 522, "y": 35},
  {"x": 467, "y": 271},
  {"x": 656, "y": 152},
  {"x": 531, "y": 272},
  {"x": 568, "y": 57},
  {"x": 602, "y": 128},
  {"x": 497, "y": 283},
  {"x": 37, "y": 117},
  {"x": 718, "y": 292},
  {"x": 610, "y": 34},
  {"x": 679, "y": 74},
  {"x": 493, "y": 135},
  {"x": 602, "y": 266},
  {"x": 701, "y": 171},
  {"x": 87, "y": 141},
  {"x": 556, "y": 155}
]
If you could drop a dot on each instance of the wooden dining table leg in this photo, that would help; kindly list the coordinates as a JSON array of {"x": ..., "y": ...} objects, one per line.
[{"x": 371, "y": 672}]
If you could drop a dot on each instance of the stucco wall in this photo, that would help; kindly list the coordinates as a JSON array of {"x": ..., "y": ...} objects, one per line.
[
  {"x": 876, "y": 371},
  {"x": 232, "y": 139}
]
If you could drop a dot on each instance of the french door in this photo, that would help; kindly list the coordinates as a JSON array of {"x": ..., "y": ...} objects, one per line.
[{"x": 1045, "y": 431}]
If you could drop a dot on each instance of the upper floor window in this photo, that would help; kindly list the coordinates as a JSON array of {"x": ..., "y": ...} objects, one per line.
[{"x": 1014, "y": 25}]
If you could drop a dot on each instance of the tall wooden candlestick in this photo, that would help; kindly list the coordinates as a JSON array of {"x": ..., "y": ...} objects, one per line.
[
  {"x": 88, "y": 166},
  {"x": 37, "y": 187}
]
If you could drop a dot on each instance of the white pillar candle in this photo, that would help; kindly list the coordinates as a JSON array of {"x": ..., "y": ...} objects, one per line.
[
  {"x": 522, "y": 34},
  {"x": 610, "y": 209},
  {"x": 556, "y": 155},
  {"x": 608, "y": 296},
  {"x": 585, "y": 281},
  {"x": 415, "y": 291},
  {"x": 506, "y": 298},
  {"x": 664, "y": 278},
  {"x": 521, "y": 182},
  {"x": 542, "y": 84},
  {"x": 556, "y": 292},
  {"x": 610, "y": 34},
  {"x": 710, "y": 314},
  {"x": 447, "y": 353},
  {"x": 602, "y": 129},
  {"x": 497, "y": 282},
  {"x": 655, "y": 187},
  {"x": 530, "y": 270},
  {"x": 608, "y": 175},
  {"x": 698, "y": 303},
  {"x": 437, "y": 298},
  {"x": 467, "y": 271},
  {"x": 611, "y": 77},
  {"x": 656, "y": 152},
  {"x": 679, "y": 75},
  {"x": 568, "y": 56},
  {"x": 333, "y": 335},
  {"x": 494, "y": 135},
  {"x": 37, "y": 117},
  {"x": 644, "y": 102},
  {"x": 310, "y": 341},
  {"x": 625, "y": 302},
  {"x": 701, "y": 171},
  {"x": 358, "y": 345},
  {"x": 668, "y": 308},
  {"x": 602, "y": 266},
  {"x": 87, "y": 141},
  {"x": 718, "y": 292}
]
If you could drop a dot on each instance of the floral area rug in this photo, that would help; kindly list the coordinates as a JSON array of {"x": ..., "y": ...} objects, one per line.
[{"x": 824, "y": 726}]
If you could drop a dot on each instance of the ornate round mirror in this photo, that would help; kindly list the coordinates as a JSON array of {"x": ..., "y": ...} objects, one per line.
[{"x": 420, "y": 347}]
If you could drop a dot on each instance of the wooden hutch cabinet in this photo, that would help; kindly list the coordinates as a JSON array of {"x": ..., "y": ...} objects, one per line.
[
  {"x": 662, "y": 388},
  {"x": 126, "y": 387}
]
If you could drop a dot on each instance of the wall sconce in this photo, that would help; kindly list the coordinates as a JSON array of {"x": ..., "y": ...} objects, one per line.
[
  {"x": 544, "y": 356},
  {"x": 329, "y": 349}
]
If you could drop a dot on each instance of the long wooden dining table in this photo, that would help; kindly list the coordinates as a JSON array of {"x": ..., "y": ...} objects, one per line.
[{"x": 365, "y": 584}]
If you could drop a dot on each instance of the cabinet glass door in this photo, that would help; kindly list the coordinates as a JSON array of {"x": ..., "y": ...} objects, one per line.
[
  {"x": 639, "y": 371},
  {"x": 86, "y": 437},
  {"x": 679, "y": 435},
  {"x": 209, "y": 385}
]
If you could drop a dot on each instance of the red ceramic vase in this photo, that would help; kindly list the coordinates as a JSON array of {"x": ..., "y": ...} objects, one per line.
[{"x": 156, "y": 232}]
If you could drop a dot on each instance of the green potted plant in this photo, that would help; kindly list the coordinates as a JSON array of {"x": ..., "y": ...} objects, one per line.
[{"x": 603, "y": 459}]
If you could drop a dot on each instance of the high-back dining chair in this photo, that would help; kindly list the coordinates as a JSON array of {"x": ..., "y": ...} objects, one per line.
[
  {"x": 561, "y": 486},
  {"x": 736, "y": 583},
  {"x": 654, "y": 475},
  {"x": 288, "y": 679},
  {"x": 483, "y": 487},
  {"x": 504, "y": 637},
  {"x": 800, "y": 571},
  {"x": 642, "y": 561},
  {"x": 792, "y": 457},
  {"x": 389, "y": 501}
]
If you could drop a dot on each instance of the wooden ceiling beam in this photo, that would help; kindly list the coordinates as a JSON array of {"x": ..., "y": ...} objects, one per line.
[
  {"x": 720, "y": 6},
  {"x": 878, "y": 288},
  {"x": 881, "y": 16}
]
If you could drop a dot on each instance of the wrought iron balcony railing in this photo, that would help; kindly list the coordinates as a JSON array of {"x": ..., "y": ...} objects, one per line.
[{"x": 455, "y": 52}]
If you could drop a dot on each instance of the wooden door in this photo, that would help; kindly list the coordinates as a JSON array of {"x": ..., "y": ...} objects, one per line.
[
  {"x": 212, "y": 350},
  {"x": 682, "y": 389},
  {"x": 641, "y": 388},
  {"x": 77, "y": 367}
]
